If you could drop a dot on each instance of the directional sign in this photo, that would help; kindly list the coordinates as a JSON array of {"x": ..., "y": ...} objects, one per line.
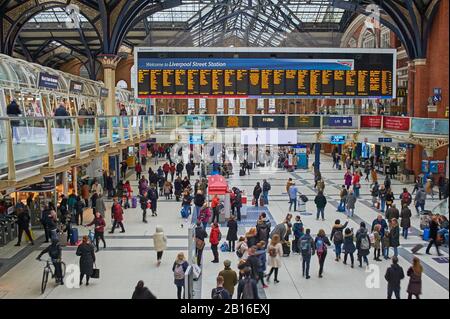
[
  {"x": 385, "y": 140},
  {"x": 437, "y": 98},
  {"x": 437, "y": 91}
]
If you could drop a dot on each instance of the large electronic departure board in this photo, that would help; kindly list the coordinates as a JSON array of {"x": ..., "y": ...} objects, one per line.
[{"x": 269, "y": 73}]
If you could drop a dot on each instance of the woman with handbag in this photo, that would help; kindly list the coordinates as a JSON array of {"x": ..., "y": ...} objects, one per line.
[{"x": 87, "y": 259}]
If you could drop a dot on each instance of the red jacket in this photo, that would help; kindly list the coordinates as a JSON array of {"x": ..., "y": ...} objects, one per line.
[
  {"x": 99, "y": 224},
  {"x": 166, "y": 168},
  {"x": 127, "y": 187},
  {"x": 215, "y": 201},
  {"x": 356, "y": 178},
  {"x": 118, "y": 212},
  {"x": 138, "y": 168},
  {"x": 172, "y": 168},
  {"x": 214, "y": 236}
]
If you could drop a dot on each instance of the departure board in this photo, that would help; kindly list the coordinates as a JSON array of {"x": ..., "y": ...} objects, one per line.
[{"x": 274, "y": 73}]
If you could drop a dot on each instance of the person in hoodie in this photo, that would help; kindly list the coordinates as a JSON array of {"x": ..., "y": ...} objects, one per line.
[
  {"x": 337, "y": 236},
  {"x": 262, "y": 255},
  {"x": 159, "y": 243},
  {"x": 363, "y": 244},
  {"x": 214, "y": 239},
  {"x": 349, "y": 246},
  {"x": 307, "y": 249},
  {"x": 263, "y": 228}
]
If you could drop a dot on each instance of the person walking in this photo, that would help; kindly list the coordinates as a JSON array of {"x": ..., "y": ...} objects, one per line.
[
  {"x": 434, "y": 228},
  {"x": 232, "y": 232},
  {"x": 337, "y": 236},
  {"x": 179, "y": 268},
  {"x": 117, "y": 213},
  {"x": 405, "y": 197},
  {"x": 220, "y": 292},
  {"x": 200, "y": 235},
  {"x": 348, "y": 179},
  {"x": 320, "y": 202},
  {"x": 99, "y": 230},
  {"x": 363, "y": 244},
  {"x": 343, "y": 199},
  {"x": 289, "y": 183},
  {"x": 375, "y": 192},
  {"x": 275, "y": 251},
  {"x": 394, "y": 230},
  {"x": 293, "y": 191},
  {"x": 349, "y": 246},
  {"x": 393, "y": 276},
  {"x": 230, "y": 278},
  {"x": 100, "y": 205},
  {"x": 242, "y": 248},
  {"x": 214, "y": 239},
  {"x": 307, "y": 249},
  {"x": 382, "y": 195},
  {"x": 376, "y": 243},
  {"x": 419, "y": 200},
  {"x": 257, "y": 193},
  {"x": 141, "y": 292},
  {"x": 23, "y": 223},
  {"x": 153, "y": 197},
  {"x": 392, "y": 212},
  {"x": 405, "y": 221},
  {"x": 247, "y": 288},
  {"x": 415, "y": 279},
  {"x": 389, "y": 198},
  {"x": 385, "y": 242},
  {"x": 263, "y": 226},
  {"x": 237, "y": 204},
  {"x": 172, "y": 170},
  {"x": 87, "y": 259},
  {"x": 145, "y": 203},
  {"x": 261, "y": 254},
  {"x": 159, "y": 243},
  {"x": 199, "y": 201},
  {"x": 138, "y": 170},
  {"x": 321, "y": 242},
  {"x": 186, "y": 203},
  {"x": 204, "y": 215},
  {"x": 350, "y": 205},
  {"x": 265, "y": 191},
  {"x": 298, "y": 232},
  {"x": 178, "y": 188},
  {"x": 356, "y": 183}
]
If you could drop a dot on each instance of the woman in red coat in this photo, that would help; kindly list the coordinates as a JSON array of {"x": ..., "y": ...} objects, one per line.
[
  {"x": 138, "y": 170},
  {"x": 117, "y": 213},
  {"x": 355, "y": 183},
  {"x": 172, "y": 170},
  {"x": 214, "y": 239}
]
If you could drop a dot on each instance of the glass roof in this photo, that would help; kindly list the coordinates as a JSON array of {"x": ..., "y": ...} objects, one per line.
[{"x": 55, "y": 15}]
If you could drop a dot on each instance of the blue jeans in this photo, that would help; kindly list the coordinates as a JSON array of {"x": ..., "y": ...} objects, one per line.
[
  {"x": 382, "y": 205},
  {"x": 395, "y": 251},
  {"x": 196, "y": 213},
  {"x": 205, "y": 224},
  {"x": 320, "y": 211},
  {"x": 306, "y": 260},
  {"x": 386, "y": 252},
  {"x": 186, "y": 209},
  {"x": 356, "y": 191},
  {"x": 395, "y": 291},
  {"x": 293, "y": 201},
  {"x": 338, "y": 248},
  {"x": 422, "y": 207},
  {"x": 350, "y": 212},
  {"x": 405, "y": 232},
  {"x": 342, "y": 204},
  {"x": 265, "y": 195}
]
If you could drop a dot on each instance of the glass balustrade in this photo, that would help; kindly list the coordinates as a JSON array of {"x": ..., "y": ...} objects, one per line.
[
  {"x": 86, "y": 127},
  {"x": 3, "y": 148},
  {"x": 63, "y": 136},
  {"x": 103, "y": 134},
  {"x": 116, "y": 129},
  {"x": 126, "y": 126}
]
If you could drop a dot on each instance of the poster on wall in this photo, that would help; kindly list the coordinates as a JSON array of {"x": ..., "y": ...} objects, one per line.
[
  {"x": 368, "y": 121},
  {"x": 396, "y": 123},
  {"x": 231, "y": 106},
  {"x": 272, "y": 108},
  {"x": 242, "y": 106},
  {"x": 220, "y": 106},
  {"x": 260, "y": 104}
]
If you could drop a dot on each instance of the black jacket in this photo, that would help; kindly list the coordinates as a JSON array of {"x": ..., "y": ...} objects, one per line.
[
  {"x": 200, "y": 233},
  {"x": 393, "y": 276},
  {"x": 13, "y": 109},
  {"x": 232, "y": 230},
  {"x": 23, "y": 219},
  {"x": 143, "y": 293},
  {"x": 87, "y": 258},
  {"x": 257, "y": 191},
  {"x": 199, "y": 200},
  {"x": 320, "y": 201},
  {"x": 434, "y": 227}
]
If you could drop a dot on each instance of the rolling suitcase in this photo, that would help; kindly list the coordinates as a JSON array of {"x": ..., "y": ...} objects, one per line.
[
  {"x": 134, "y": 202},
  {"x": 426, "y": 234},
  {"x": 286, "y": 249},
  {"x": 416, "y": 248},
  {"x": 74, "y": 236}
]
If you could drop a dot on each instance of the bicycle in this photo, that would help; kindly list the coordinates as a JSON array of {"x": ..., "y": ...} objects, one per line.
[{"x": 48, "y": 270}]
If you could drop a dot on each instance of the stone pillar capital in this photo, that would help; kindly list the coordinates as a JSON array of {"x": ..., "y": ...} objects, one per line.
[
  {"x": 109, "y": 61},
  {"x": 418, "y": 62}
]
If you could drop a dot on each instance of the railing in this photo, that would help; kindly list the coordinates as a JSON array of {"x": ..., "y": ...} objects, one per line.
[
  {"x": 25, "y": 141},
  {"x": 441, "y": 208}
]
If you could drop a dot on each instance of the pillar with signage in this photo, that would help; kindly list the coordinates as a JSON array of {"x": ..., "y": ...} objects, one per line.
[{"x": 317, "y": 156}]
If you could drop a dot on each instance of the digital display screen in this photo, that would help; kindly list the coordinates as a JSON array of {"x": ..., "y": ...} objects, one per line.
[
  {"x": 221, "y": 73},
  {"x": 337, "y": 139}
]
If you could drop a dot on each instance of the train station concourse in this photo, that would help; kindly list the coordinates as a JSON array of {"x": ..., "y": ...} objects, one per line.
[{"x": 224, "y": 149}]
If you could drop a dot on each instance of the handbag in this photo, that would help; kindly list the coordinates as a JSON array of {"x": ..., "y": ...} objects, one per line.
[
  {"x": 149, "y": 205},
  {"x": 95, "y": 273}
]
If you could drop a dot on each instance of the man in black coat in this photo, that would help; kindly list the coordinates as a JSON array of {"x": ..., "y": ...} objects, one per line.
[
  {"x": 200, "y": 235},
  {"x": 393, "y": 276},
  {"x": 23, "y": 222},
  {"x": 434, "y": 227}
]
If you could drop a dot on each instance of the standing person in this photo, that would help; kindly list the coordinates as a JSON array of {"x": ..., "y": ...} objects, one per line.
[
  {"x": 85, "y": 194},
  {"x": 141, "y": 292},
  {"x": 321, "y": 242},
  {"x": 367, "y": 170},
  {"x": 356, "y": 183},
  {"x": 110, "y": 186},
  {"x": 307, "y": 249},
  {"x": 167, "y": 189},
  {"x": 363, "y": 244},
  {"x": 382, "y": 195},
  {"x": 297, "y": 229},
  {"x": 376, "y": 243},
  {"x": 186, "y": 203},
  {"x": 387, "y": 183},
  {"x": 99, "y": 230},
  {"x": 434, "y": 227},
  {"x": 242, "y": 248},
  {"x": 172, "y": 170},
  {"x": 230, "y": 278},
  {"x": 374, "y": 175},
  {"x": 123, "y": 169},
  {"x": 289, "y": 183},
  {"x": 237, "y": 204},
  {"x": 247, "y": 288},
  {"x": 351, "y": 201},
  {"x": 415, "y": 279},
  {"x": 160, "y": 243},
  {"x": 263, "y": 228},
  {"x": 405, "y": 197},
  {"x": 215, "y": 208},
  {"x": 220, "y": 292},
  {"x": 385, "y": 242},
  {"x": 343, "y": 198},
  {"x": 138, "y": 170},
  {"x": 389, "y": 198},
  {"x": 251, "y": 237},
  {"x": 349, "y": 246},
  {"x": 200, "y": 235},
  {"x": 79, "y": 205},
  {"x": 375, "y": 191},
  {"x": 429, "y": 188},
  {"x": 275, "y": 251},
  {"x": 337, "y": 236},
  {"x": 87, "y": 259},
  {"x": 214, "y": 239},
  {"x": 261, "y": 254},
  {"x": 179, "y": 268},
  {"x": 265, "y": 191},
  {"x": 117, "y": 213},
  {"x": 405, "y": 222},
  {"x": 180, "y": 168},
  {"x": 394, "y": 229},
  {"x": 320, "y": 202},
  {"x": 232, "y": 232},
  {"x": 348, "y": 179},
  {"x": 166, "y": 170},
  {"x": 153, "y": 197},
  {"x": 392, "y": 213},
  {"x": 393, "y": 276},
  {"x": 419, "y": 200},
  {"x": 293, "y": 191},
  {"x": 204, "y": 215},
  {"x": 199, "y": 201},
  {"x": 23, "y": 223},
  {"x": 178, "y": 188},
  {"x": 257, "y": 193}
]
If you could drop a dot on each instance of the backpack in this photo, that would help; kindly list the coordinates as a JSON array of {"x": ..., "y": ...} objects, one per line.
[
  {"x": 239, "y": 252},
  {"x": 338, "y": 237},
  {"x": 272, "y": 252},
  {"x": 305, "y": 246},
  {"x": 224, "y": 247},
  {"x": 365, "y": 243},
  {"x": 217, "y": 294},
  {"x": 406, "y": 198},
  {"x": 247, "y": 291},
  {"x": 179, "y": 272},
  {"x": 320, "y": 246}
]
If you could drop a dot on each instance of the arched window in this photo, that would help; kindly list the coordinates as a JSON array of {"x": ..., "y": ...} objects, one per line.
[{"x": 122, "y": 84}]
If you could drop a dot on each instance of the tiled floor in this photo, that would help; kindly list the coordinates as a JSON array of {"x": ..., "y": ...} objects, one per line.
[{"x": 130, "y": 257}]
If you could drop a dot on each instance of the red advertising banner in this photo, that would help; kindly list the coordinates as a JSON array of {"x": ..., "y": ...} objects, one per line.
[
  {"x": 396, "y": 123},
  {"x": 370, "y": 121}
]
